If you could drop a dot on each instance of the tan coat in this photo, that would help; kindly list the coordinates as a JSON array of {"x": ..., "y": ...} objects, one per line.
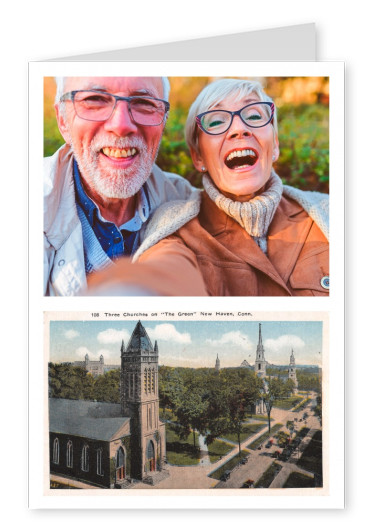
[{"x": 213, "y": 255}]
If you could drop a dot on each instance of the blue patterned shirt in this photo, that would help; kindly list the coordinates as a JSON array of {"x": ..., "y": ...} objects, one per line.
[{"x": 115, "y": 241}]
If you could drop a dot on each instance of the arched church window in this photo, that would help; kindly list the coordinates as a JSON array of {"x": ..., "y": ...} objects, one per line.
[
  {"x": 56, "y": 451},
  {"x": 153, "y": 380},
  {"x": 85, "y": 458},
  {"x": 149, "y": 381},
  {"x": 69, "y": 454},
  {"x": 100, "y": 462},
  {"x": 150, "y": 457},
  {"x": 146, "y": 381},
  {"x": 120, "y": 463}
]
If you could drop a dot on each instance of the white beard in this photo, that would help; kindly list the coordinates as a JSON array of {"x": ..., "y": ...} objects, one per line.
[{"x": 115, "y": 183}]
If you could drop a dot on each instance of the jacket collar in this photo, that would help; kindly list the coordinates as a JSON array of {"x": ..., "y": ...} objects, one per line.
[{"x": 287, "y": 234}]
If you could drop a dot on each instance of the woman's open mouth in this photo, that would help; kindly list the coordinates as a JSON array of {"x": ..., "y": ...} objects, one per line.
[{"x": 241, "y": 158}]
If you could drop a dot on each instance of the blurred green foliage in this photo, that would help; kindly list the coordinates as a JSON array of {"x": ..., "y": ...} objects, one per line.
[
  {"x": 304, "y": 146},
  {"x": 303, "y": 141},
  {"x": 52, "y": 137}
]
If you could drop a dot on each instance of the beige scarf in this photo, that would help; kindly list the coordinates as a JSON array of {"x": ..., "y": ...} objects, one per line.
[{"x": 255, "y": 215}]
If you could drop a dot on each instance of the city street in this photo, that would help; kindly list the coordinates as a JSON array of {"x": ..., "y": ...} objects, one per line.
[{"x": 196, "y": 477}]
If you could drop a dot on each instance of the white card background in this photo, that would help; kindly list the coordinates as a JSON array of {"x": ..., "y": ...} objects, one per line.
[
  {"x": 332, "y": 304},
  {"x": 34, "y": 31}
]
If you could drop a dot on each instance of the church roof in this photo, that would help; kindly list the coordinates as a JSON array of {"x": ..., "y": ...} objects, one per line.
[
  {"x": 95, "y": 420},
  {"x": 139, "y": 340}
]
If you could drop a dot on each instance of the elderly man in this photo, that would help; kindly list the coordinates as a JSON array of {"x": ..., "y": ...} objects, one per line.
[{"x": 102, "y": 186}]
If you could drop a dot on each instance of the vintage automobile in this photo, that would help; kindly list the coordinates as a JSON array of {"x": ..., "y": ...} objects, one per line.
[
  {"x": 249, "y": 484},
  {"x": 225, "y": 475}
]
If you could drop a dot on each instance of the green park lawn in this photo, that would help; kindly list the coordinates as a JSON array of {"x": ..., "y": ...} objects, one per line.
[
  {"x": 268, "y": 476},
  {"x": 181, "y": 452},
  {"x": 218, "y": 449},
  {"x": 259, "y": 417},
  {"x": 264, "y": 437},
  {"x": 229, "y": 465},
  {"x": 302, "y": 404},
  {"x": 311, "y": 458},
  {"x": 247, "y": 431},
  {"x": 288, "y": 403},
  {"x": 299, "y": 481}
]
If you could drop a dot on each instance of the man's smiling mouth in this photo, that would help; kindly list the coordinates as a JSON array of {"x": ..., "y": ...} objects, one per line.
[
  {"x": 119, "y": 153},
  {"x": 241, "y": 158}
]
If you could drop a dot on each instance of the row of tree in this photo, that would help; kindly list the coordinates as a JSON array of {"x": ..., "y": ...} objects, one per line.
[
  {"x": 205, "y": 401},
  {"x": 215, "y": 403},
  {"x": 75, "y": 383}
]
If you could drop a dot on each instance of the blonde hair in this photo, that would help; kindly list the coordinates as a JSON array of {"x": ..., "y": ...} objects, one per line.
[{"x": 216, "y": 92}]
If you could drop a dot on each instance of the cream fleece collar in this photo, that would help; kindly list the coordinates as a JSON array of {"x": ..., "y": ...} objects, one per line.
[
  {"x": 170, "y": 217},
  {"x": 255, "y": 215}
]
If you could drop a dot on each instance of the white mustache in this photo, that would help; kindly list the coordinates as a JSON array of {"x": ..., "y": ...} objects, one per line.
[{"x": 102, "y": 141}]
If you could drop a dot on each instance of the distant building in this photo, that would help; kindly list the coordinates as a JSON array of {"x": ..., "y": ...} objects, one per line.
[
  {"x": 109, "y": 445},
  {"x": 292, "y": 371},
  {"x": 217, "y": 364},
  {"x": 96, "y": 368},
  {"x": 260, "y": 370},
  {"x": 260, "y": 363}
]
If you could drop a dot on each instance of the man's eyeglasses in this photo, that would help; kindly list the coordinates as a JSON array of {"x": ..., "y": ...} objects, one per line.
[
  {"x": 98, "y": 106},
  {"x": 253, "y": 115}
]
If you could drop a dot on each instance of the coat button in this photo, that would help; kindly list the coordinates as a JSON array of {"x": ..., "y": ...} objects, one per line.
[
  {"x": 325, "y": 282},
  {"x": 61, "y": 262}
]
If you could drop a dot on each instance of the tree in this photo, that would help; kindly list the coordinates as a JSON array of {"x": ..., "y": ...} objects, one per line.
[
  {"x": 273, "y": 389},
  {"x": 318, "y": 407},
  {"x": 190, "y": 414},
  {"x": 290, "y": 426},
  {"x": 237, "y": 403},
  {"x": 106, "y": 387},
  {"x": 68, "y": 381}
]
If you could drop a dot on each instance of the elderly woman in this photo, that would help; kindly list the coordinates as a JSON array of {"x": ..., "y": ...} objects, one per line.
[{"x": 247, "y": 234}]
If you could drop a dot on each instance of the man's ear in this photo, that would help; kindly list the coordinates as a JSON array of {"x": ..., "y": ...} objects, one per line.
[
  {"x": 62, "y": 125},
  {"x": 197, "y": 160}
]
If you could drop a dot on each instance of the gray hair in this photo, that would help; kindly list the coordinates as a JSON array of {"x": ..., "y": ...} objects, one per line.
[
  {"x": 60, "y": 84},
  {"x": 216, "y": 92}
]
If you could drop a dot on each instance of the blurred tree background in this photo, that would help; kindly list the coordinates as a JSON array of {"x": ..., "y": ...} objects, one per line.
[{"x": 303, "y": 128}]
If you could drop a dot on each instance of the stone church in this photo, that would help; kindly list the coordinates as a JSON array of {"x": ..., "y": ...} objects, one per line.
[
  {"x": 260, "y": 370},
  {"x": 111, "y": 445}
]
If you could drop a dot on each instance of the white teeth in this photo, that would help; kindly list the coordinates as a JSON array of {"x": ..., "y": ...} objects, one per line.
[
  {"x": 241, "y": 153},
  {"x": 119, "y": 153}
]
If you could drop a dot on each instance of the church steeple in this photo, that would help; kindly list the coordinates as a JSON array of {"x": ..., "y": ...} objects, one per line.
[
  {"x": 260, "y": 363},
  {"x": 292, "y": 371}
]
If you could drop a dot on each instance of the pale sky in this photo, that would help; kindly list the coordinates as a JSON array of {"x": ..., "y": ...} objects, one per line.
[{"x": 190, "y": 343}]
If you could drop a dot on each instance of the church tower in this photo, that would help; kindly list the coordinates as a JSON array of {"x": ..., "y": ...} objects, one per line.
[
  {"x": 260, "y": 363},
  {"x": 292, "y": 370},
  {"x": 140, "y": 401},
  {"x": 217, "y": 364}
]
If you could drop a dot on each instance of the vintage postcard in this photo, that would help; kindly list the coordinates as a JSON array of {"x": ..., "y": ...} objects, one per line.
[{"x": 220, "y": 402}]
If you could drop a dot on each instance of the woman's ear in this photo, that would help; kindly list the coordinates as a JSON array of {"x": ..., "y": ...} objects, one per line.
[
  {"x": 197, "y": 160},
  {"x": 62, "y": 125},
  {"x": 275, "y": 148}
]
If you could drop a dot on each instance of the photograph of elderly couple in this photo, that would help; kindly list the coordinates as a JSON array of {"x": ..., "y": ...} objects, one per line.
[{"x": 186, "y": 186}]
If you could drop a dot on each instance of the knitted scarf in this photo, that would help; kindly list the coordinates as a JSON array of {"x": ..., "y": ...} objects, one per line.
[{"x": 255, "y": 215}]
